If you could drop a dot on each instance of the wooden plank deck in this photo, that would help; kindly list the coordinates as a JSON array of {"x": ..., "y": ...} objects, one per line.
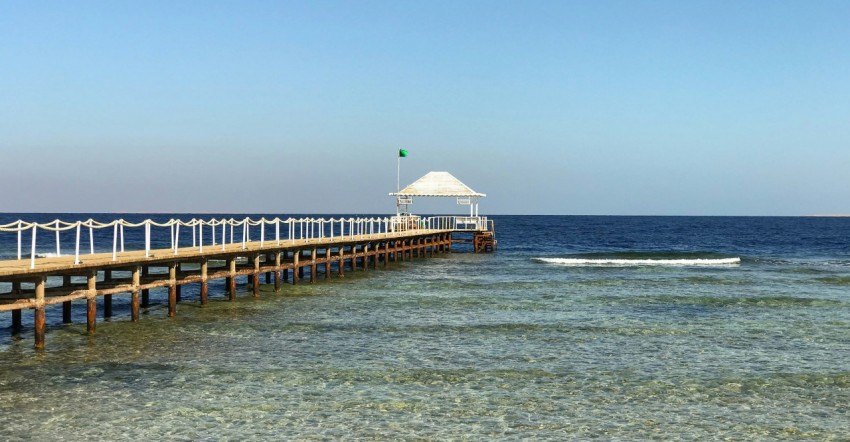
[{"x": 20, "y": 269}]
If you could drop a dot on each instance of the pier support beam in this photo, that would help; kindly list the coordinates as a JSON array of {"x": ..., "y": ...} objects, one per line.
[
  {"x": 313, "y": 266},
  {"x": 277, "y": 271},
  {"x": 256, "y": 279},
  {"x": 327, "y": 262},
  {"x": 230, "y": 281},
  {"x": 134, "y": 295},
  {"x": 178, "y": 288},
  {"x": 17, "y": 325},
  {"x": 300, "y": 270},
  {"x": 340, "y": 270},
  {"x": 146, "y": 293},
  {"x": 66, "y": 306},
  {"x": 91, "y": 302},
  {"x": 295, "y": 269},
  {"x": 205, "y": 285},
  {"x": 39, "y": 312},
  {"x": 172, "y": 289},
  {"x": 386, "y": 253},
  {"x": 107, "y": 299}
]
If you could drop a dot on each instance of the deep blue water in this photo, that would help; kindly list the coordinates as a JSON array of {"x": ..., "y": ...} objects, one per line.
[{"x": 625, "y": 328}]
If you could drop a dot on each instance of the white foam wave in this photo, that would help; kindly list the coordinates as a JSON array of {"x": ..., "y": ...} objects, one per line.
[
  {"x": 46, "y": 255},
  {"x": 605, "y": 262}
]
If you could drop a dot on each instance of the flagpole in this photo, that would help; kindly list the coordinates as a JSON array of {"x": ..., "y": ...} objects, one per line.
[{"x": 397, "y": 181}]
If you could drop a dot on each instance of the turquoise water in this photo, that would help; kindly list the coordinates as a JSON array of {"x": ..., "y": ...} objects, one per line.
[{"x": 463, "y": 346}]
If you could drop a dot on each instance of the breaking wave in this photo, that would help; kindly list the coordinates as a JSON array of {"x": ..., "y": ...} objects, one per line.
[{"x": 615, "y": 262}]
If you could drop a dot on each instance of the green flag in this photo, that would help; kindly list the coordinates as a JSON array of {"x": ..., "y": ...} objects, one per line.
[{"x": 402, "y": 153}]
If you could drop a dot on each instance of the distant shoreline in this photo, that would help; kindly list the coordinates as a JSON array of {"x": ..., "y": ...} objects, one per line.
[{"x": 832, "y": 216}]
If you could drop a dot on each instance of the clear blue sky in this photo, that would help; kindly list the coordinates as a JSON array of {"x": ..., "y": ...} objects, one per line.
[{"x": 563, "y": 107}]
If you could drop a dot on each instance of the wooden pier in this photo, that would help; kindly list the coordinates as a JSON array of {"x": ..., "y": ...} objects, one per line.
[{"x": 135, "y": 273}]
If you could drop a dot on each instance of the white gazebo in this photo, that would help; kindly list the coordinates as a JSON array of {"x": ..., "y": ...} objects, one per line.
[{"x": 437, "y": 184}]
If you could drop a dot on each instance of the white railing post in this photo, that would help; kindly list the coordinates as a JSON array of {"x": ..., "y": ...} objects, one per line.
[
  {"x": 58, "y": 251},
  {"x": 262, "y": 231},
  {"x": 224, "y": 233},
  {"x": 176, "y": 236},
  {"x": 32, "y": 251},
  {"x": 77, "y": 248},
  {"x": 20, "y": 233},
  {"x": 121, "y": 232},
  {"x": 277, "y": 230},
  {"x": 91, "y": 236},
  {"x": 114, "y": 241},
  {"x": 201, "y": 235},
  {"x": 147, "y": 238},
  {"x": 244, "y": 233},
  {"x": 194, "y": 224}
]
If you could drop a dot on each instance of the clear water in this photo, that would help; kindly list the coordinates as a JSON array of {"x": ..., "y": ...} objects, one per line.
[{"x": 463, "y": 346}]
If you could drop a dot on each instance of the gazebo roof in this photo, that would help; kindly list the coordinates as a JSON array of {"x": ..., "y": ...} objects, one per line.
[{"x": 438, "y": 184}]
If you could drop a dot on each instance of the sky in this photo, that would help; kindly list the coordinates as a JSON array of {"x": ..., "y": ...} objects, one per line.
[{"x": 549, "y": 107}]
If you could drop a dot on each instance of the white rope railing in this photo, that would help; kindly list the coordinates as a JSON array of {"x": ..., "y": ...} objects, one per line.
[{"x": 296, "y": 229}]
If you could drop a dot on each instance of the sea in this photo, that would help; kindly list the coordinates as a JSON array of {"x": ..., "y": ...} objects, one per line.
[{"x": 577, "y": 328}]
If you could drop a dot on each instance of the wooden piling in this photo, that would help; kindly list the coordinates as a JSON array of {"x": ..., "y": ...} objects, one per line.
[
  {"x": 386, "y": 253},
  {"x": 230, "y": 281},
  {"x": 256, "y": 280},
  {"x": 172, "y": 289},
  {"x": 66, "y": 306},
  {"x": 295, "y": 256},
  {"x": 340, "y": 269},
  {"x": 146, "y": 293},
  {"x": 327, "y": 262},
  {"x": 91, "y": 302},
  {"x": 205, "y": 285},
  {"x": 313, "y": 266},
  {"x": 17, "y": 324},
  {"x": 285, "y": 272},
  {"x": 277, "y": 272},
  {"x": 134, "y": 294},
  {"x": 39, "y": 312},
  {"x": 107, "y": 299}
]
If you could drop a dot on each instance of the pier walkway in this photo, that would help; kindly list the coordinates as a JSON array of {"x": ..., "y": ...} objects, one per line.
[{"x": 297, "y": 247}]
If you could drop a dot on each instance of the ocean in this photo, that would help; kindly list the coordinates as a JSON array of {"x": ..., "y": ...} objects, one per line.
[{"x": 577, "y": 328}]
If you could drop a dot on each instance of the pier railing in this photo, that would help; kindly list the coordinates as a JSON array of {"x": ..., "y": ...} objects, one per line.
[{"x": 224, "y": 231}]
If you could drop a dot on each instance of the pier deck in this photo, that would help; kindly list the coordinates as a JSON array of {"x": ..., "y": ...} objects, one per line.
[{"x": 39, "y": 282}]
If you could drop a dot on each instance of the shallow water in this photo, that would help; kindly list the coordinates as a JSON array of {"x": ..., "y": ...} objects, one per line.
[{"x": 466, "y": 346}]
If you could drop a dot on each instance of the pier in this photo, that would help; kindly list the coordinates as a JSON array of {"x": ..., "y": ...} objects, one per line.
[{"x": 287, "y": 251}]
